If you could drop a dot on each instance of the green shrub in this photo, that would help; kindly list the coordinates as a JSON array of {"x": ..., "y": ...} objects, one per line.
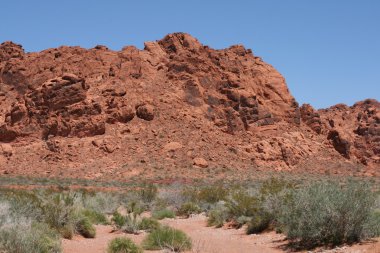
[
  {"x": 94, "y": 216},
  {"x": 60, "y": 212},
  {"x": 208, "y": 194},
  {"x": 86, "y": 228},
  {"x": 67, "y": 231},
  {"x": 213, "y": 193},
  {"x": 123, "y": 245},
  {"x": 26, "y": 238},
  {"x": 242, "y": 220},
  {"x": 328, "y": 214},
  {"x": 274, "y": 186},
  {"x": 240, "y": 203},
  {"x": 372, "y": 228},
  {"x": 218, "y": 215},
  {"x": 167, "y": 238},
  {"x": 135, "y": 207},
  {"x": 148, "y": 193},
  {"x": 188, "y": 209},
  {"x": 132, "y": 223},
  {"x": 258, "y": 223},
  {"x": 149, "y": 224},
  {"x": 162, "y": 214},
  {"x": 102, "y": 202},
  {"x": 118, "y": 220}
]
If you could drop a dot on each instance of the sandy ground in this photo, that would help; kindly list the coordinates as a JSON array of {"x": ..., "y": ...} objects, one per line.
[
  {"x": 211, "y": 240},
  {"x": 207, "y": 240},
  {"x": 104, "y": 235}
]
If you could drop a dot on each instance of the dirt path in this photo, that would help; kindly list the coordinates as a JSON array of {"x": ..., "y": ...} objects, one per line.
[
  {"x": 212, "y": 240},
  {"x": 98, "y": 244},
  {"x": 206, "y": 240}
]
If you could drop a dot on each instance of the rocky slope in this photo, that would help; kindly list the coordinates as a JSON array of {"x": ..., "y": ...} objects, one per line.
[{"x": 174, "y": 105}]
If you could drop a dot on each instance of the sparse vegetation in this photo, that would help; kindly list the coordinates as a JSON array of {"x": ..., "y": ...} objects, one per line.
[
  {"x": 321, "y": 213},
  {"x": 85, "y": 228},
  {"x": 162, "y": 214},
  {"x": 118, "y": 220},
  {"x": 132, "y": 223},
  {"x": 167, "y": 238},
  {"x": 218, "y": 215},
  {"x": 188, "y": 209},
  {"x": 94, "y": 216},
  {"x": 329, "y": 213},
  {"x": 123, "y": 245},
  {"x": 149, "y": 224},
  {"x": 148, "y": 193},
  {"x": 23, "y": 236}
]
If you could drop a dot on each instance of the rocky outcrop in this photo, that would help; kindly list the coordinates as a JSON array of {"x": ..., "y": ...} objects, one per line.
[
  {"x": 9, "y": 50},
  {"x": 311, "y": 117},
  {"x": 116, "y": 111},
  {"x": 355, "y": 131}
]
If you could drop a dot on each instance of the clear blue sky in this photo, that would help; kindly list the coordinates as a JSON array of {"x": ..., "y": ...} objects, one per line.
[{"x": 328, "y": 50}]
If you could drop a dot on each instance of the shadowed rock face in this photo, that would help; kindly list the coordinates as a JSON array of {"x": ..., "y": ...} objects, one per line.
[{"x": 222, "y": 107}]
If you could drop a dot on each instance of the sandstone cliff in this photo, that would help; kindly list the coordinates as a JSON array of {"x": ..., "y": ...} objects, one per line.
[{"x": 176, "y": 104}]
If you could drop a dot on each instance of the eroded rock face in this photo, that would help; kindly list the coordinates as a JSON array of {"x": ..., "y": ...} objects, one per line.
[
  {"x": 9, "y": 50},
  {"x": 311, "y": 117},
  {"x": 355, "y": 130},
  {"x": 167, "y": 106}
]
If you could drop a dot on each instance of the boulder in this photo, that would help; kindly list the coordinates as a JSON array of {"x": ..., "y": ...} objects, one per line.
[
  {"x": 172, "y": 146},
  {"x": 145, "y": 112},
  {"x": 200, "y": 162}
]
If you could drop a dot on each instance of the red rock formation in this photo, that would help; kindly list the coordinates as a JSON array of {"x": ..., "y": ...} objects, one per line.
[{"x": 62, "y": 108}]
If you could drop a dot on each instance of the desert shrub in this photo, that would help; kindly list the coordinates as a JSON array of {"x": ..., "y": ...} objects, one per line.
[
  {"x": 94, "y": 216},
  {"x": 148, "y": 193},
  {"x": 85, "y": 228},
  {"x": 258, "y": 223},
  {"x": 171, "y": 196},
  {"x": 25, "y": 237},
  {"x": 217, "y": 215},
  {"x": 327, "y": 213},
  {"x": 132, "y": 223},
  {"x": 123, "y": 245},
  {"x": 149, "y": 224},
  {"x": 242, "y": 220},
  {"x": 210, "y": 194},
  {"x": 188, "y": 209},
  {"x": 23, "y": 204},
  {"x": 241, "y": 203},
  {"x": 162, "y": 214},
  {"x": 213, "y": 193},
  {"x": 274, "y": 193},
  {"x": 102, "y": 202},
  {"x": 118, "y": 220},
  {"x": 167, "y": 238},
  {"x": 274, "y": 186},
  {"x": 135, "y": 206},
  {"x": 60, "y": 212},
  {"x": 372, "y": 228}
]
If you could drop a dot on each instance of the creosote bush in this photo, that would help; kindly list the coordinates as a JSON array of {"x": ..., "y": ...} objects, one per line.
[
  {"x": 123, "y": 245},
  {"x": 94, "y": 216},
  {"x": 149, "y": 224},
  {"x": 148, "y": 193},
  {"x": 118, "y": 220},
  {"x": 209, "y": 194},
  {"x": 162, "y": 214},
  {"x": 328, "y": 213},
  {"x": 132, "y": 223},
  {"x": 188, "y": 209},
  {"x": 85, "y": 228},
  {"x": 24, "y": 237},
  {"x": 218, "y": 215},
  {"x": 167, "y": 238}
]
